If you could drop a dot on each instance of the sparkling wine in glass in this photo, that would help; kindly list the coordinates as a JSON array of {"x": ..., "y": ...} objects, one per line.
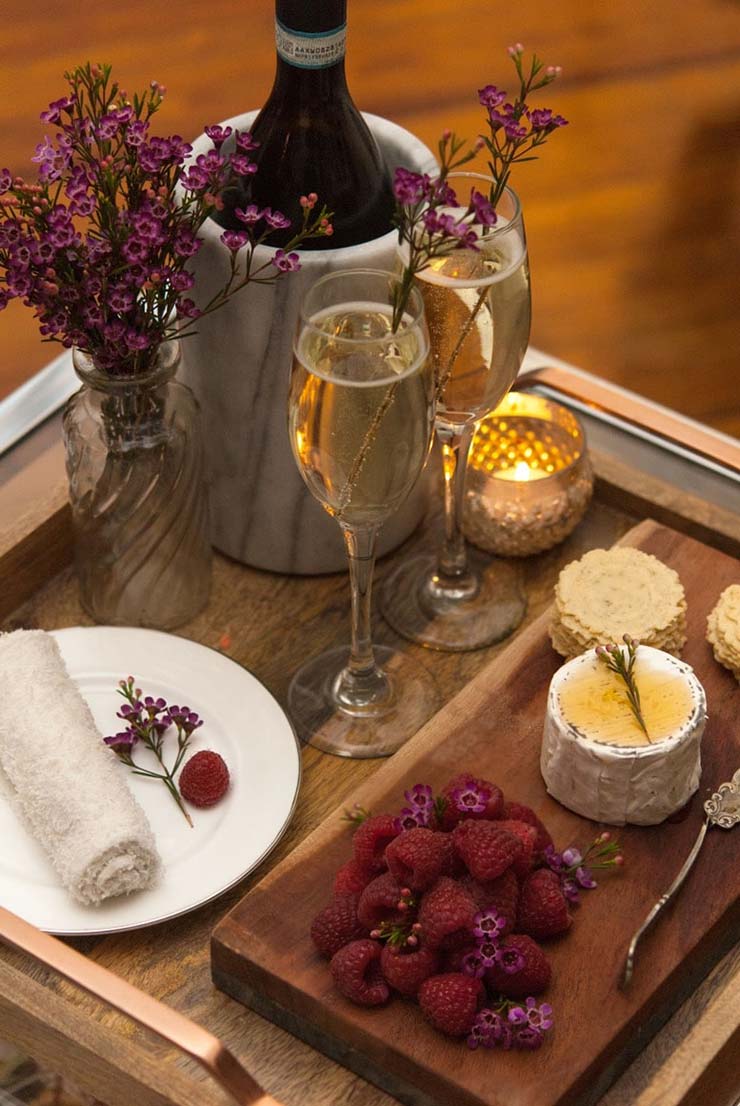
[
  {"x": 478, "y": 312},
  {"x": 360, "y": 418}
]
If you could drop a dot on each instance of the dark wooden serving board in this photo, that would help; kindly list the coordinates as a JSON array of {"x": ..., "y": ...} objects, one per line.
[{"x": 262, "y": 955}]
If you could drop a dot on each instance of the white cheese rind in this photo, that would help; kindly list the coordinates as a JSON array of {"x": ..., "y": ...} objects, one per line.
[{"x": 622, "y": 784}]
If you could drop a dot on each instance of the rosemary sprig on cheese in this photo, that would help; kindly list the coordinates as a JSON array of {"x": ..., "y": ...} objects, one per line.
[{"x": 622, "y": 664}]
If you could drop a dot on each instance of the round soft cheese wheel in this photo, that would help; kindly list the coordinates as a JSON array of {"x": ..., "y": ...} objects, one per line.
[{"x": 595, "y": 758}]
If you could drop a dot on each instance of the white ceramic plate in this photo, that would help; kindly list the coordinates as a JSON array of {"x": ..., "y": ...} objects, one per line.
[{"x": 241, "y": 721}]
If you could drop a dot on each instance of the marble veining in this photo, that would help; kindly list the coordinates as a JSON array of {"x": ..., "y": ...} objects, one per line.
[{"x": 238, "y": 365}]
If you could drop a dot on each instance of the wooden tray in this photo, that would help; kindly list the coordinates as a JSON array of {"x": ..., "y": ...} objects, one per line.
[{"x": 262, "y": 955}]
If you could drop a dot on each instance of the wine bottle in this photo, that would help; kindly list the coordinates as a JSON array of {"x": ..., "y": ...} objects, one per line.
[{"x": 312, "y": 137}]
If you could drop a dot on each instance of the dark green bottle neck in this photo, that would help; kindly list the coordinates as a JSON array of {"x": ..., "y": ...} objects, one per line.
[
  {"x": 311, "y": 16},
  {"x": 308, "y": 84}
]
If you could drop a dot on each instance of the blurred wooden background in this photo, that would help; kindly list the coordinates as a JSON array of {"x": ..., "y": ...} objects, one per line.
[{"x": 632, "y": 212}]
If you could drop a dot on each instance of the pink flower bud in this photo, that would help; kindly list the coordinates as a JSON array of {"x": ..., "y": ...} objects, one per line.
[
  {"x": 413, "y": 941},
  {"x": 406, "y": 892},
  {"x": 515, "y": 50},
  {"x": 416, "y": 927},
  {"x": 403, "y": 906},
  {"x": 619, "y": 860},
  {"x": 375, "y": 933}
]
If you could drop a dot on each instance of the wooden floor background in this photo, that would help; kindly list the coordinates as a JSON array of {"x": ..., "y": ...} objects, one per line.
[{"x": 632, "y": 212}]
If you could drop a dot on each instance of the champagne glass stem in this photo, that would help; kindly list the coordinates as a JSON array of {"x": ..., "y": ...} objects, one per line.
[
  {"x": 361, "y": 683},
  {"x": 453, "y": 560}
]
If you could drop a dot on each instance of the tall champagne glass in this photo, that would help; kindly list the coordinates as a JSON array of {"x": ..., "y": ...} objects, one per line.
[
  {"x": 478, "y": 312},
  {"x": 360, "y": 418}
]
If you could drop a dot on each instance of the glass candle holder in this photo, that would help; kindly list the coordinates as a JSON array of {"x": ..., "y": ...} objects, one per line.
[{"x": 530, "y": 479}]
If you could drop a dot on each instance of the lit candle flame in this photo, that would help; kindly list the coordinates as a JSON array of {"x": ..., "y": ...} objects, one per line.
[{"x": 522, "y": 471}]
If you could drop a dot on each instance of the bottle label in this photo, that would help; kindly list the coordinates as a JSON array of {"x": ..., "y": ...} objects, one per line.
[{"x": 310, "y": 50}]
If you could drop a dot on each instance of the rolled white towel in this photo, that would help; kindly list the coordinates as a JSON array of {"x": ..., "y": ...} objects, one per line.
[{"x": 67, "y": 783}]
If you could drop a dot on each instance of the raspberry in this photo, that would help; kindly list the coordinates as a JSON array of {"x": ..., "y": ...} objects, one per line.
[
  {"x": 351, "y": 878},
  {"x": 518, "y": 812},
  {"x": 528, "y": 836},
  {"x": 446, "y": 915},
  {"x": 543, "y": 910},
  {"x": 501, "y": 894},
  {"x": 531, "y": 979},
  {"x": 473, "y": 793},
  {"x": 406, "y": 970},
  {"x": 370, "y": 841},
  {"x": 356, "y": 973},
  {"x": 204, "y": 779},
  {"x": 418, "y": 858},
  {"x": 336, "y": 925},
  {"x": 379, "y": 902},
  {"x": 485, "y": 849},
  {"x": 451, "y": 1001}
]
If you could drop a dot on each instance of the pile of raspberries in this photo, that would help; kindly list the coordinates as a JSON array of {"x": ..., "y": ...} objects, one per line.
[{"x": 445, "y": 904}]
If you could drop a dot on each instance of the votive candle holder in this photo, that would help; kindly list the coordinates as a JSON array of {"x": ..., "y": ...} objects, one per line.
[{"x": 529, "y": 478}]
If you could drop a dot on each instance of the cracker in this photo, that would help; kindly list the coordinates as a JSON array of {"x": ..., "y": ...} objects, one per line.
[
  {"x": 608, "y": 593},
  {"x": 723, "y": 629}
]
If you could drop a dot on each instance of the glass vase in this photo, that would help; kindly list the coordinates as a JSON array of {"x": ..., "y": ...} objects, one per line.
[{"x": 134, "y": 455}]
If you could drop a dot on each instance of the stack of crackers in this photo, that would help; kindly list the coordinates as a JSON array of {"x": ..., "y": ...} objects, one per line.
[
  {"x": 612, "y": 592},
  {"x": 723, "y": 629}
]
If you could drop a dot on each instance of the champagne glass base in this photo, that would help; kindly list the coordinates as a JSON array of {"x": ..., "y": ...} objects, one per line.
[
  {"x": 414, "y": 607},
  {"x": 381, "y": 728}
]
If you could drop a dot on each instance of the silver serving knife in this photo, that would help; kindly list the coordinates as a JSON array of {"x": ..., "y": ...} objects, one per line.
[{"x": 723, "y": 809}]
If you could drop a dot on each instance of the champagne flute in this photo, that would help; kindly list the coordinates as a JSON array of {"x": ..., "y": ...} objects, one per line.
[
  {"x": 360, "y": 419},
  {"x": 478, "y": 311}
]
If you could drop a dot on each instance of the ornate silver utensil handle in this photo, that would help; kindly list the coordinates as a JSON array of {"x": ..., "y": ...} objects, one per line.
[{"x": 723, "y": 809}]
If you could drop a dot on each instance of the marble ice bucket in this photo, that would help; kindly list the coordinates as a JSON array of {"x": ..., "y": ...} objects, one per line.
[{"x": 238, "y": 365}]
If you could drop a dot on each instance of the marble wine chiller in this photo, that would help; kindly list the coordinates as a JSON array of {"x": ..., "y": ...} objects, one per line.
[{"x": 238, "y": 365}]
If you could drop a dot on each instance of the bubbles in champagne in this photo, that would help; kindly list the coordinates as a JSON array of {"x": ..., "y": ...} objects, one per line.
[{"x": 360, "y": 412}]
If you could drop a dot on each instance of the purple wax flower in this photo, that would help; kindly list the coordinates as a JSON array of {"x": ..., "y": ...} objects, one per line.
[
  {"x": 275, "y": 219},
  {"x": 188, "y": 309},
  {"x": 527, "y": 1037},
  {"x": 242, "y": 166},
  {"x": 571, "y": 857},
  {"x": 420, "y": 795},
  {"x": 245, "y": 142},
  {"x": 543, "y": 119},
  {"x": 136, "y": 132},
  {"x": 482, "y": 209},
  {"x": 474, "y": 964},
  {"x": 408, "y": 187},
  {"x": 488, "y": 924},
  {"x": 234, "y": 239},
  {"x": 123, "y": 741},
  {"x": 53, "y": 113},
  {"x": 510, "y": 960},
  {"x": 286, "y": 262},
  {"x": 469, "y": 799},
  {"x": 249, "y": 215},
  {"x": 570, "y": 889},
  {"x": 554, "y": 859},
  {"x": 490, "y": 96},
  {"x": 585, "y": 879},
  {"x": 217, "y": 134},
  {"x": 539, "y": 1017}
]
